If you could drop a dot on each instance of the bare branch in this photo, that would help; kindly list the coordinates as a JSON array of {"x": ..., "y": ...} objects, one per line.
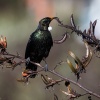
[
  {"x": 89, "y": 36},
  {"x": 89, "y": 40},
  {"x": 59, "y": 75}
]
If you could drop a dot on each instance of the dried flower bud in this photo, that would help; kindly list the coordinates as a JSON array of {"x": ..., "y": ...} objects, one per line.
[
  {"x": 3, "y": 42},
  {"x": 2, "y": 59},
  {"x": 67, "y": 83},
  {"x": 24, "y": 74}
]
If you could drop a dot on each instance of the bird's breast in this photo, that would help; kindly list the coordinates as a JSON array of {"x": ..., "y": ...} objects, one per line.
[{"x": 42, "y": 36}]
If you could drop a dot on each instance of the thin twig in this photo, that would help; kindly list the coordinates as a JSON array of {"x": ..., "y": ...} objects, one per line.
[
  {"x": 89, "y": 36},
  {"x": 75, "y": 83},
  {"x": 59, "y": 75}
]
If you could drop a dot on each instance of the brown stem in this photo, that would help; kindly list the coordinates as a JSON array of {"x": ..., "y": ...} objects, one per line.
[
  {"x": 75, "y": 83},
  {"x": 67, "y": 79},
  {"x": 59, "y": 75}
]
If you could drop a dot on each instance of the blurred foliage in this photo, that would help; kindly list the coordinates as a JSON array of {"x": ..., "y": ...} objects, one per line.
[{"x": 12, "y": 4}]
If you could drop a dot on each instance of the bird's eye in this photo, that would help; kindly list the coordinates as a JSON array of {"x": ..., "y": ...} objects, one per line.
[{"x": 44, "y": 23}]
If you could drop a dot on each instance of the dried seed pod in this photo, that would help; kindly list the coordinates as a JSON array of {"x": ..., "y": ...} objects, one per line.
[
  {"x": 44, "y": 79},
  {"x": 65, "y": 36},
  {"x": 49, "y": 82},
  {"x": 78, "y": 62},
  {"x": 93, "y": 26},
  {"x": 71, "y": 66},
  {"x": 88, "y": 56},
  {"x": 70, "y": 92},
  {"x": 75, "y": 58},
  {"x": 72, "y": 21},
  {"x": 23, "y": 80},
  {"x": 3, "y": 42}
]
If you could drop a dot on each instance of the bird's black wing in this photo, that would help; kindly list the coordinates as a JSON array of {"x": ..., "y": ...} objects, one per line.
[{"x": 38, "y": 47}]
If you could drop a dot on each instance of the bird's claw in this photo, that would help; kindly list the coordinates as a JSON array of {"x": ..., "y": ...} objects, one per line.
[
  {"x": 46, "y": 67},
  {"x": 28, "y": 60}
]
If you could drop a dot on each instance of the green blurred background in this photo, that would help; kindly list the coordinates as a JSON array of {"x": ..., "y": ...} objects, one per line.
[{"x": 19, "y": 18}]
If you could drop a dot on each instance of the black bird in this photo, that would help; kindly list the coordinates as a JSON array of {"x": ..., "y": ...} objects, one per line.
[{"x": 39, "y": 44}]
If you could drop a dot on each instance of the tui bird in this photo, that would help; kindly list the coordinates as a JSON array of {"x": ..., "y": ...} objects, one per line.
[{"x": 39, "y": 44}]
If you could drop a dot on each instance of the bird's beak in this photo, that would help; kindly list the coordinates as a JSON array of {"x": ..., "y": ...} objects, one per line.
[{"x": 53, "y": 18}]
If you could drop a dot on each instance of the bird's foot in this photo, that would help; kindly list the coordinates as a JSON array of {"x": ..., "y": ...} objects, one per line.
[
  {"x": 28, "y": 60},
  {"x": 46, "y": 65}
]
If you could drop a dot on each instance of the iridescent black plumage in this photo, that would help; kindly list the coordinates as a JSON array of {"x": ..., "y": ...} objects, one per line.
[{"x": 39, "y": 44}]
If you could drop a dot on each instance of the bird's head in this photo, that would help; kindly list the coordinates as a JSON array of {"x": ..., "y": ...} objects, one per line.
[{"x": 44, "y": 23}]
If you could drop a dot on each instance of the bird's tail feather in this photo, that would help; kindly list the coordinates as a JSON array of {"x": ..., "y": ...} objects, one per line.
[{"x": 32, "y": 67}]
